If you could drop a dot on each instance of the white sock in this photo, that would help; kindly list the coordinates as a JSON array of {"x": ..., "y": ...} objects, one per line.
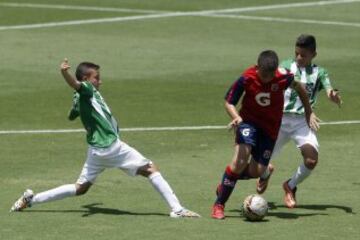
[
  {"x": 161, "y": 185},
  {"x": 58, "y": 193},
  {"x": 300, "y": 175}
]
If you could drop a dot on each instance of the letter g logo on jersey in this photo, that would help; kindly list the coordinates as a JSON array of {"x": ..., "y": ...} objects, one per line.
[{"x": 263, "y": 99}]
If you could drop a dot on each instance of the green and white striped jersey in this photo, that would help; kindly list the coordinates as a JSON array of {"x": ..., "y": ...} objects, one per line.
[
  {"x": 314, "y": 77},
  {"x": 101, "y": 127}
]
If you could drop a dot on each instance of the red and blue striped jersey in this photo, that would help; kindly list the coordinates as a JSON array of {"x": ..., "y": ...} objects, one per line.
[{"x": 262, "y": 103}]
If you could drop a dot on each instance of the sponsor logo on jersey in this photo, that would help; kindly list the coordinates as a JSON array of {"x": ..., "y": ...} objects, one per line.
[
  {"x": 263, "y": 99},
  {"x": 274, "y": 87},
  {"x": 309, "y": 87}
]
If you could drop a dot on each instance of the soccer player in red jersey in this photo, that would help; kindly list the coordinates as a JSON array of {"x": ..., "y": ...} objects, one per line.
[{"x": 257, "y": 123}]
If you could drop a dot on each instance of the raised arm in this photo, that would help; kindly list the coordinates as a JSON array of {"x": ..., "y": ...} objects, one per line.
[
  {"x": 311, "y": 118},
  {"x": 70, "y": 80}
]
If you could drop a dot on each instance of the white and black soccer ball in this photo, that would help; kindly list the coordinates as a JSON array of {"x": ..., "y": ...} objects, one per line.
[{"x": 254, "y": 207}]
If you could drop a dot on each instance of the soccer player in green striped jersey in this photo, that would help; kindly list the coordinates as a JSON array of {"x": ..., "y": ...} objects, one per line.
[
  {"x": 293, "y": 125},
  {"x": 105, "y": 148}
]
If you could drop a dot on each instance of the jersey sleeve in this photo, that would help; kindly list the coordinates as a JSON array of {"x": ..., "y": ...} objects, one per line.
[
  {"x": 75, "y": 110},
  {"x": 289, "y": 79},
  {"x": 235, "y": 92},
  {"x": 324, "y": 80},
  {"x": 286, "y": 76},
  {"x": 86, "y": 89}
]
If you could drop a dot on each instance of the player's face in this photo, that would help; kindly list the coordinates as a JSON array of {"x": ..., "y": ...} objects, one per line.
[
  {"x": 265, "y": 76},
  {"x": 93, "y": 76},
  {"x": 303, "y": 56}
]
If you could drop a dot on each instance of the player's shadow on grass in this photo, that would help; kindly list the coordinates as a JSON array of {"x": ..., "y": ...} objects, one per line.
[
  {"x": 285, "y": 215},
  {"x": 240, "y": 215},
  {"x": 321, "y": 207},
  {"x": 295, "y": 215},
  {"x": 93, "y": 209},
  {"x": 288, "y": 215}
]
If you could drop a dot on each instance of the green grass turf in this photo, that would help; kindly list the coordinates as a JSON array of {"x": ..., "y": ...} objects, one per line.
[
  {"x": 122, "y": 206},
  {"x": 168, "y": 72}
]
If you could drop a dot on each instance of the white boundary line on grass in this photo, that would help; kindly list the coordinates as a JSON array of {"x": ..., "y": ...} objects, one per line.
[
  {"x": 286, "y": 20},
  {"x": 276, "y": 6},
  {"x": 205, "y": 13},
  {"x": 147, "y": 129},
  {"x": 229, "y": 10},
  {"x": 90, "y": 21}
]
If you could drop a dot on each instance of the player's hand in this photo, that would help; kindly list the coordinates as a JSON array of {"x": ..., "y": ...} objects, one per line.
[
  {"x": 65, "y": 65},
  {"x": 234, "y": 123},
  {"x": 313, "y": 122},
  {"x": 334, "y": 96}
]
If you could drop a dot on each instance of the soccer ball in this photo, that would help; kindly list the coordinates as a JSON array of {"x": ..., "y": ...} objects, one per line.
[{"x": 255, "y": 207}]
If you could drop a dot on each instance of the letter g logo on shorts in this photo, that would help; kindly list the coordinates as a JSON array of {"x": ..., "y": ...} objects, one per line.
[{"x": 245, "y": 132}]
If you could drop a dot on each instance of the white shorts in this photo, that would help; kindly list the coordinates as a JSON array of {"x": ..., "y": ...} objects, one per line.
[
  {"x": 295, "y": 127},
  {"x": 118, "y": 155}
]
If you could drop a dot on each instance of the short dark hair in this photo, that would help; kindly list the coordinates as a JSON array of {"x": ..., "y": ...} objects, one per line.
[
  {"x": 306, "y": 41},
  {"x": 82, "y": 69},
  {"x": 268, "y": 61}
]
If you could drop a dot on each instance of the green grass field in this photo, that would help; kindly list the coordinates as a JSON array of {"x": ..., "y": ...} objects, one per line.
[{"x": 169, "y": 71}]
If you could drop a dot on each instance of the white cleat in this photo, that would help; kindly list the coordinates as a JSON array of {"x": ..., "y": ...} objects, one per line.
[
  {"x": 184, "y": 213},
  {"x": 23, "y": 202}
]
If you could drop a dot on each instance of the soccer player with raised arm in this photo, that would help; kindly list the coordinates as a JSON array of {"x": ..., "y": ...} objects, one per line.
[
  {"x": 294, "y": 124},
  {"x": 105, "y": 150},
  {"x": 257, "y": 123}
]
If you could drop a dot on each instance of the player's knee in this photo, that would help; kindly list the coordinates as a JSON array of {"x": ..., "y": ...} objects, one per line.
[
  {"x": 147, "y": 169},
  {"x": 81, "y": 189},
  {"x": 258, "y": 171},
  {"x": 310, "y": 163},
  {"x": 254, "y": 174},
  {"x": 237, "y": 168},
  {"x": 310, "y": 155},
  {"x": 238, "y": 165}
]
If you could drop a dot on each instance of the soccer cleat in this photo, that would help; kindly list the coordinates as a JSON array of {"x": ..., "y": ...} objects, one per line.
[
  {"x": 23, "y": 202},
  {"x": 184, "y": 213},
  {"x": 261, "y": 184},
  {"x": 218, "y": 211},
  {"x": 289, "y": 198}
]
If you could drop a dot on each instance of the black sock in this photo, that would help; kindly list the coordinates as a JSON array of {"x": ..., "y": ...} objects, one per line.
[{"x": 226, "y": 186}]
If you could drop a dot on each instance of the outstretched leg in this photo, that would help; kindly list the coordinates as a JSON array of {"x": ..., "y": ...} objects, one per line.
[
  {"x": 163, "y": 188},
  {"x": 29, "y": 199}
]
